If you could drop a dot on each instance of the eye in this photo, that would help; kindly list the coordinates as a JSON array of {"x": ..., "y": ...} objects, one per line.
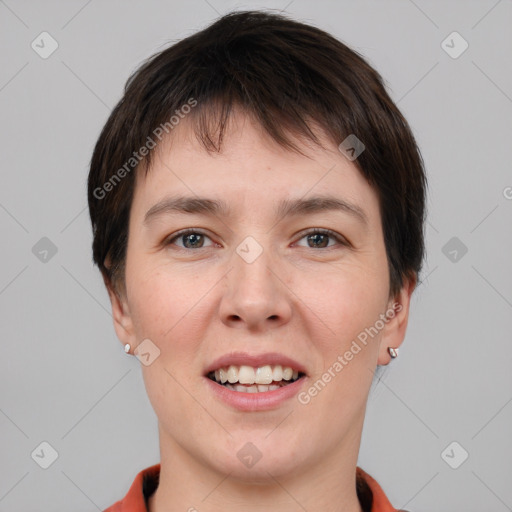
[
  {"x": 190, "y": 238},
  {"x": 320, "y": 238},
  {"x": 195, "y": 239}
]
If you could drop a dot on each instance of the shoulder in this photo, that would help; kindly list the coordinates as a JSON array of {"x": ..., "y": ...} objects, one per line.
[
  {"x": 143, "y": 486},
  {"x": 116, "y": 507}
]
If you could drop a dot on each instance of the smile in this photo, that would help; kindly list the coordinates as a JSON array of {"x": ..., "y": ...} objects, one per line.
[{"x": 248, "y": 379}]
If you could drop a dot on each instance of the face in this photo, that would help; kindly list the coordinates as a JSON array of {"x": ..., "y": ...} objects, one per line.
[{"x": 275, "y": 277}]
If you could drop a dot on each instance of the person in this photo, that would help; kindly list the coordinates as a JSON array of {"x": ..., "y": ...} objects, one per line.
[{"x": 258, "y": 209}]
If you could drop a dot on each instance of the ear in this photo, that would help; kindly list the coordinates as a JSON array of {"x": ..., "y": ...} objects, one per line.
[
  {"x": 123, "y": 322},
  {"x": 393, "y": 333}
]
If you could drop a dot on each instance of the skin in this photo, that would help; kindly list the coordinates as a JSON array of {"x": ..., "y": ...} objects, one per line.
[{"x": 303, "y": 298}]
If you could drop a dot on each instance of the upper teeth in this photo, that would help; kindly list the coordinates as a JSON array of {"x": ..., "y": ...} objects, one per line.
[{"x": 261, "y": 375}]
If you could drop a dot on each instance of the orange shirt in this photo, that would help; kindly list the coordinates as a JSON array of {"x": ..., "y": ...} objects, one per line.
[{"x": 146, "y": 482}]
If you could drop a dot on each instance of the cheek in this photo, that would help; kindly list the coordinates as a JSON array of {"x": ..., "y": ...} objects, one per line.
[
  {"x": 170, "y": 308},
  {"x": 166, "y": 308},
  {"x": 347, "y": 299},
  {"x": 346, "y": 305},
  {"x": 159, "y": 298}
]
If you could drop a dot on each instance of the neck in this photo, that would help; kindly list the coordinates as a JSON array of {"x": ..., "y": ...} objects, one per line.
[{"x": 188, "y": 485}]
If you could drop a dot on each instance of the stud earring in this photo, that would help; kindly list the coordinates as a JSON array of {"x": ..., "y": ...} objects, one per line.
[
  {"x": 127, "y": 348},
  {"x": 393, "y": 352}
]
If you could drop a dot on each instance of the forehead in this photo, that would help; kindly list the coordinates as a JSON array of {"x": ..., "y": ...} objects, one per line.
[{"x": 251, "y": 169}]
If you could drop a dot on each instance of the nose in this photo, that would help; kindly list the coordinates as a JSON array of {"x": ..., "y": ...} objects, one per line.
[{"x": 256, "y": 297}]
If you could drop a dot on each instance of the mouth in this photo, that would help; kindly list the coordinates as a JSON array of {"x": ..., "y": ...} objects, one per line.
[{"x": 250, "y": 379}]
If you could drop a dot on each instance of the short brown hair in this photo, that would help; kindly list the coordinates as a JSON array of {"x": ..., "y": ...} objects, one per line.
[{"x": 287, "y": 76}]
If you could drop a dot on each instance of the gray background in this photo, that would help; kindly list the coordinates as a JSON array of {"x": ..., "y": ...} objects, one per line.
[{"x": 64, "y": 377}]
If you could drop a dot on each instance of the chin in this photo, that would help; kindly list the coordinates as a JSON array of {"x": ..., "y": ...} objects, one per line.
[{"x": 256, "y": 461}]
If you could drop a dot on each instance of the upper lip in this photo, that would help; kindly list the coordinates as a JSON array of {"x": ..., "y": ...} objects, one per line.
[{"x": 254, "y": 360}]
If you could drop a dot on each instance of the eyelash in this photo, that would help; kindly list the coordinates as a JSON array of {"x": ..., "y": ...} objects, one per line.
[{"x": 320, "y": 231}]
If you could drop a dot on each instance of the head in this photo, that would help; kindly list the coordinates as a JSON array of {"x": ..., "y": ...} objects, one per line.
[{"x": 296, "y": 245}]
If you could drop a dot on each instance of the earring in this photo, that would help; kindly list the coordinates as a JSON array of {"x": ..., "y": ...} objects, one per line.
[
  {"x": 393, "y": 352},
  {"x": 127, "y": 348}
]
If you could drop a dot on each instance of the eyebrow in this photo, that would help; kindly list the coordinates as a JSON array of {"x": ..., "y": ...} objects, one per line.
[{"x": 286, "y": 207}]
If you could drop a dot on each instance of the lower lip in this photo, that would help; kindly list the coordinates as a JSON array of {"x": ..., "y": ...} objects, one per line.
[{"x": 261, "y": 401}]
